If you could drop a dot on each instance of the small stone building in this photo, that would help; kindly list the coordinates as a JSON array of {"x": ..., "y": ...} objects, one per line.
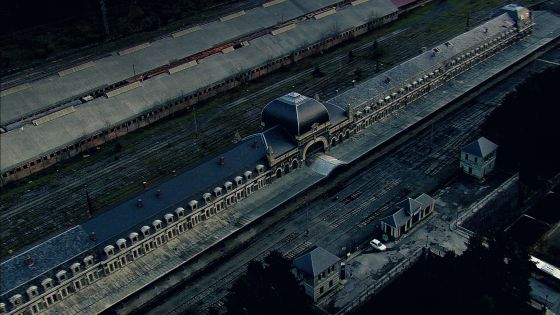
[
  {"x": 318, "y": 271},
  {"x": 409, "y": 213},
  {"x": 478, "y": 158}
]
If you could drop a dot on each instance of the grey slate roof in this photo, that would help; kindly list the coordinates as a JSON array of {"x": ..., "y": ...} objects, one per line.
[
  {"x": 406, "y": 209},
  {"x": 315, "y": 261},
  {"x": 279, "y": 139},
  {"x": 480, "y": 147},
  {"x": 294, "y": 112},
  {"x": 126, "y": 217},
  {"x": 20, "y": 146},
  {"x": 425, "y": 200},
  {"x": 397, "y": 219},
  {"x": 410, "y": 206},
  {"x": 415, "y": 68}
]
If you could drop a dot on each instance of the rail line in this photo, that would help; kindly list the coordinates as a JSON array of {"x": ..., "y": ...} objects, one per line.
[{"x": 66, "y": 197}]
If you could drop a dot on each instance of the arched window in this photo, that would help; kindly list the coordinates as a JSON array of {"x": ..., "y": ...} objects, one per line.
[
  {"x": 157, "y": 224},
  {"x": 145, "y": 230},
  {"x": 32, "y": 291},
  {"x": 193, "y": 204},
  {"x": 109, "y": 250},
  {"x": 218, "y": 191},
  {"x": 133, "y": 237},
  {"x": 61, "y": 275},
  {"x": 121, "y": 243},
  {"x": 88, "y": 261},
  {"x": 47, "y": 283},
  {"x": 168, "y": 218},
  {"x": 248, "y": 175},
  {"x": 180, "y": 212}
]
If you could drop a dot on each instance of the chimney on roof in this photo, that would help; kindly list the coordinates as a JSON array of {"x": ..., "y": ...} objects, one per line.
[
  {"x": 139, "y": 203},
  {"x": 93, "y": 237},
  {"x": 222, "y": 160},
  {"x": 158, "y": 193},
  {"x": 145, "y": 184},
  {"x": 29, "y": 261}
]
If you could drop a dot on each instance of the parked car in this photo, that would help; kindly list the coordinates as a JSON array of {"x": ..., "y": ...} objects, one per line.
[{"x": 377, "y": 245}]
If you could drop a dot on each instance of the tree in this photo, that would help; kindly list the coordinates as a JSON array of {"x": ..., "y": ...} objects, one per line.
[{"x": 268, "y": 288}]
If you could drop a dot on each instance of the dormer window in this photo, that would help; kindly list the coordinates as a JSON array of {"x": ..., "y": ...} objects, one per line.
[
  {"x": 32, "y": 291},
  {"x": 47, "y": 283},
  {"x": 168, "y": 218},
  {"x": 61, "y": 275},
  {"x": 248, "y": 175},
  {"x": 88, "y": 261},
  {"x": 260, "y": 169},
  {"x": 145, "y": 230},
  {"x": 238, "y": 180},
  {"x": 121, "y": 243},
  {"x": 109, "y": 250},
  {"x": 207, "y": 197},
  {"x": 218, "y": 191},
  {"x": 2, "y": 308},
  {"x": 193, "y": 204},
  {"x": 133, "y": 237},
  {"x": 75, "y": 267},
  {"x": 157, "y": 224},
  {"x": 16, "y": 299},
  {"x": 228, "y": 185},
  {"x": 180, "y": 212}
]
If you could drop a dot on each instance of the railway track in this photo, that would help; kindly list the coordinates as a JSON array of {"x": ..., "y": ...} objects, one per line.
[
  {"x": 350, "y": 217},
  {"x": 357, "y": 214},
  {"x": 65, "y": 203}
]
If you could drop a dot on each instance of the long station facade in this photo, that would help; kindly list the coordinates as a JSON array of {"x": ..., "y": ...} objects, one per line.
[{"x": 296, "y": 127}]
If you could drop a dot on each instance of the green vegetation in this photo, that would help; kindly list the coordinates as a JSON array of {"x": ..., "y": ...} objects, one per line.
[
  {"x": 268, "y": 289},
  {"x": 526, "y": 129},
  {"x": 492, "y": 279}
]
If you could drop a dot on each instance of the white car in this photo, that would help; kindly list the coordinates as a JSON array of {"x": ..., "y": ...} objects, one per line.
[{"x": 377, "y": 245}]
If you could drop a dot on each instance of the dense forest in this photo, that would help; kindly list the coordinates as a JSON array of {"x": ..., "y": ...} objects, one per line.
[{"x": 526, "y": 128}]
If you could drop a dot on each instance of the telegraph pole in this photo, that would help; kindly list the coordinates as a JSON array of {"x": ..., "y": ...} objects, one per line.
[
  {"x": 104, "y": 16},
  {"x": 89, "y": 204}
]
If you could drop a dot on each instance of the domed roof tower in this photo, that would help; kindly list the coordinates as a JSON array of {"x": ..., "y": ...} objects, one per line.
[{"x": 295, "y": 113}]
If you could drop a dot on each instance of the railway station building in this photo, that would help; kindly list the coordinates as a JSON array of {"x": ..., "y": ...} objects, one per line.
[
  {"x": 296, "y": 128},
  {"x": 409, "y": 212}
]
